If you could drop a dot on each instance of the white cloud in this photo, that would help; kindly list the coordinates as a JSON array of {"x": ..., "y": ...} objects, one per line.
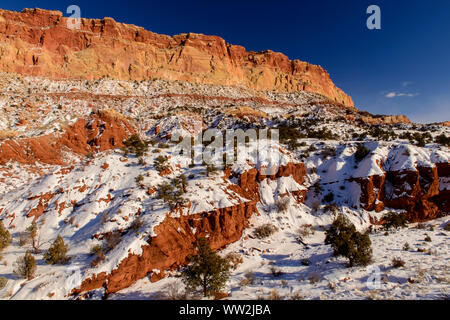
[{"x": 391, "y": 95}]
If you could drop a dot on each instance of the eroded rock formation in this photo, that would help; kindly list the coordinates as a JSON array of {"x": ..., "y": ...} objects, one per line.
[
  {"x": 175, "y": 238},
  {"x": 38, "y": 42},
  {"x": 422, "y": 193},
  {"x": 103, "y": 130}
]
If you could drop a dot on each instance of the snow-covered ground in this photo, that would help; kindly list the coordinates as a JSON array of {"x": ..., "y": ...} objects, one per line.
[{"x": 425, "y": 275}]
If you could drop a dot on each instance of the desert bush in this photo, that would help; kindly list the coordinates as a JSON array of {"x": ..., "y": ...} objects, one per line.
[
  {"x": 328, "y": 152},
  {"x": 305, "y": 231},
  {"x": 282, "y": 204},
  {"x": 348, "y": 242},
  {"x": 135, "y": 145},
  {"x": 442, "y": 139},
  {"x": 96, "y": 250},
  {"x": 139, "y": 179},
  {"x": 315, "y": 206},
  {"x": 276, "y": 272},
  {"x": 406, "y": 246},
  {"x": 174, "y": 291},
  {"x": 3, "y": 282},
  {"x": 235, "y": 259},
  {"x": 427, "y": 238},
  {"x": 447, "y": 227},
  {"x": 57, "y": 253},
  {"x": 394, "y": 220},
  {"x": 249, "y": 278},
  {"x": 264, "y": 231},
  {"x": 25, "y": 266},
  {"x": 274, "y": 295},
  {"x": 171, "y": 192},
  {"x": 206, "y": 269},
  {"x": 305, "y": 262},
  {"x": 136, "y": 224},
  {"x": 112, "y": 240},
  {"x": 361, "y": 152},
  {"x": 397, "y": 263},
  {"x": 5, "y": 236},
  {"x": 160, "y": 163}
]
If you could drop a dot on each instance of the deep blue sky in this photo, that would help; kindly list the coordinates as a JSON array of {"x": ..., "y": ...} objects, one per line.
[{"x": 404, "y": 68}]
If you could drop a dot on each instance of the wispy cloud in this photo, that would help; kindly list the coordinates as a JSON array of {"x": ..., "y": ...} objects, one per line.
[
  {"x": 394, "y": 94},
  {"x": 406, "y": 83}
]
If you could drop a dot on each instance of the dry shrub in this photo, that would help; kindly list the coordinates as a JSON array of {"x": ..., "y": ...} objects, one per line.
[
  {"x": 264, "y": 231},
  {"x": 235, "y": 259}
]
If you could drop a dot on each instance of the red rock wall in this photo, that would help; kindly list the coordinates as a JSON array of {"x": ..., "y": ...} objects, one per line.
[
  {"x": 416, "y": 192},
  {"x": 170, "y": 247},
  {"x": 101, "y": 131},
  {"x": 38, "y": 42}
]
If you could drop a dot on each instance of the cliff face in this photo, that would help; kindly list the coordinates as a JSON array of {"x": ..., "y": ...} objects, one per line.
[
  {"x": 102, "y": 130},
  {"x": 422, "y": 193},
  {"x": 174, "y": 240},
  {"x": 38, "y": 42}
]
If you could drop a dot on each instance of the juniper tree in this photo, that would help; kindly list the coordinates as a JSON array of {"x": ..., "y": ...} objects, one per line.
[
  {"x": 348, "y": 242},
  {"x": 25, "y": 266},
  {"x": 207, "y": 269},
  {"x": 135, "y": 145},
  {"x": 5, "y": 237},
  {"x": 57, "y": 253}
]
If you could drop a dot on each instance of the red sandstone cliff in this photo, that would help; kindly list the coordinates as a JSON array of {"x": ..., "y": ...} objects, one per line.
[
  {"x": 417, "y": 192},
  {"x": 103, "y": 130},
  {"x": 174, "y": 240},
  {"x": 38, "y": 42}
]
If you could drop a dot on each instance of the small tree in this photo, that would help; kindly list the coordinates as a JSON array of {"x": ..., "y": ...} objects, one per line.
[
  {"x": 207, "y": 269},
  {"x": 394, "y": 220},
  {"x": 160, "y": 163},
  {"x": 25, "y": 266},
  {"x": 348, "y": 242},
  {"x": 5, "y": 237},
  {"x": 361, "y": 152},
  {"x": 57, "y": 253},
  {"x": 32, "y": 232},
  {"x": 135, "y": 145}
]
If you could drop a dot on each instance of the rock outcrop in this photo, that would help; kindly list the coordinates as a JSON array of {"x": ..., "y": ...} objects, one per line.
[
  {"x": 174, "y": 240},
  {"x": 103, "y": 130},
  {"x": 38, "y": 42},
  {"x": 422, "y": 193}
]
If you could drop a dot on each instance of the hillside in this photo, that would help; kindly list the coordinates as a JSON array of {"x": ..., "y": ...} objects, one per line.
[{"x": 89, "y": 150}]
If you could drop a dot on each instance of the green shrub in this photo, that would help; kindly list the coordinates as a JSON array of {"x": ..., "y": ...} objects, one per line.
[
  {"x": 348, "y": 242},
  {"x": 5, "y": 237},
  {"x": 135, "y": 145},
  {"x": 57, "y": 253},
  {"x": 206, "y": 269},
  {"x": 427, "y": 239},
  {"x": 160, "y": 163},
  {"x": 361, "y": 152},
  {"x": 447, "y": 227},
  {"x": 397, "y": 263},
  {"x": 25, "y": 266},
  {"x": 442, "y": 139},
  {"x": 394, "y": 220}
]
